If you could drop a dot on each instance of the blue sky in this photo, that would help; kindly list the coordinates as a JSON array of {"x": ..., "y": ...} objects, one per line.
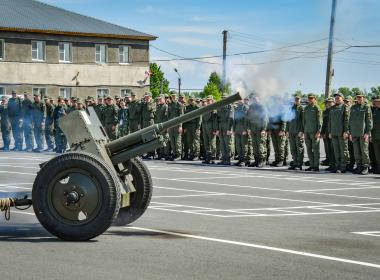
[{"x": 194, "y": 29}]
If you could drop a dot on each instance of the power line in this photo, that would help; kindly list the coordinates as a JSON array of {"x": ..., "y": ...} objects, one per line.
[{"x": 236, "y": 54}]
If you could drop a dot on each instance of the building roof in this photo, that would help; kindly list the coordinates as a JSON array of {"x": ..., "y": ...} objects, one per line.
[{"x": 37, "y": 17}]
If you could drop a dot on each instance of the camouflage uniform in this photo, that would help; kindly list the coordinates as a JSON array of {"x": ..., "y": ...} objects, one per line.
[
  {"x": 110, "y": 120},
  {"x": 39, "y": 117},
  {"x": 192, "y": 130},
  {"x": 258, "y": 125},
  {"x": 209, "y": 127},
  {"x": 148, "y": 110},
  {"x": 337, "y": 127},
  {"x": 15, "y": 117},
  {"x": 241, "y": 124},
  {"x": 293, "y": 128},
  {"x": 225, "y": 126},
  {"x": 134, "y": 115},
  {"x": 360, "y": 123},
  {"x": 99, "y": 112},
  {"x": 60, "y": 139},
  {"x": 27, "y": 109},
  {"x": 277, "y": 131},
  {"x": 330, "y": 159},
  {"x": 312, "y": 124},
  {"x": 175, "y": 109},
  {"x": 376, "y": 135},
  {"x": 5, "y": 126},
  {"x": 162, "y": 116},
  {"x": 49, "y": 127},
  {"x": 123, "y": 119}
]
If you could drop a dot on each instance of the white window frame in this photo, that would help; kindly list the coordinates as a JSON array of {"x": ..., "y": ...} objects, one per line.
[
  {"x": 124, "y": 91},
  {"x": 68, "y": 59},
  {"x": 122, "y": 54},
  {"x": 67, "y": 92},
  {"x": 100, "y": 53},
  {"x": 103, "y": 92},
  {"x": 43, "y": 44},
  {"x": 2, "y": 44},
  {"x": 39, "y": 91}
]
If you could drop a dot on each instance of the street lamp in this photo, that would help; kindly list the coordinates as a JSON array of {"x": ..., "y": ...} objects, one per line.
[{"x": 179, "y": 80}]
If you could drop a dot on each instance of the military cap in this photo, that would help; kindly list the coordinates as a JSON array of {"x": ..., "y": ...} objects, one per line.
[
  {"x": 26, "y": 93},
  {"x": 338, "y": 94},
  {"x": 89, "y": 98},
  {"x": 210, "y": 97},
  {"x": 330, "y": 99},
  {"x": 108, "y": 97},
  {"x": 36, "y": 94},
  {"x": 79, "y": 100},
  {"x": 133, "y": 93},
  {"x": 198, "y": 100},
  {"x": 311, "y": 95},
  {"x": 13, "y": 92},
  {"x": 66, "y": 99},
  {"x": 4, "y": 97},
  {"x": 117, "y": 97},
  {"x": 181, "y": 95},
  {"x": 161, "y": 96},
  {"x": 348, "y": 98},
  {"x": 359, "y": 94},
  {"x": 376, "y": 98},
  {"x": 191, "y": 97},
  {"x": 148, "y": 94},
  {"x": 46, "y": 97}
]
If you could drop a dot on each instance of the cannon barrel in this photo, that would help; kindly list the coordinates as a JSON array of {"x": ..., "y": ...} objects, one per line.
[{"x": 149, "y": 133}]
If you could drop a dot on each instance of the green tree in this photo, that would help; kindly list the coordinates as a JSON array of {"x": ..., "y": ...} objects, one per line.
[
  {"x": 211, "y": 89},
  {"x": 156, "y": 78},
  {"x": 216, "y": 79},
  {"x": 345, "y": 91}
]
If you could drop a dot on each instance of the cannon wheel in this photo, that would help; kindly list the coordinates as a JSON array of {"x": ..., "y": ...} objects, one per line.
[
  {"x": 76, "y": 196},
  {"x": 140, "y": 199}
]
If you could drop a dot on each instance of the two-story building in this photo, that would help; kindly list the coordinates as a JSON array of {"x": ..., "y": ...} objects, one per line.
[{"x": 55, "y": 52}]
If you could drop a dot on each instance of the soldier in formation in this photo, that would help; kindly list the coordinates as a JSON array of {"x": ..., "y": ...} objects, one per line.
[{"x": 351, "y": 132}]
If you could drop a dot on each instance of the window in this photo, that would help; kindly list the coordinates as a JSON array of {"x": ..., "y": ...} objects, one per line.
[
  {"x": 38, "y": 50},
  {"x": 124, "y": 92},
  {"x": 1, "y": 49},
  {"x": 101, "y": 53},
  {"x": 123, "y": 54},
  {"x": 64, "y": 52},
  {"x": 2, "y": 91},
  {"x": 102, "y": 92},
  {"x": 40, "y": 91},
  {"x": 65, "y": 92}
]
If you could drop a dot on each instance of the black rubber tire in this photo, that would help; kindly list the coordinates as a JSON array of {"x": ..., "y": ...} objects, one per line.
[
  {"x": 107, "y": 210},
  {"x": 141, "y": 198}
]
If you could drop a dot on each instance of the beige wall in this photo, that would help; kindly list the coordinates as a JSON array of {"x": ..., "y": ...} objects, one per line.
[{"x": 18, "y": 71}]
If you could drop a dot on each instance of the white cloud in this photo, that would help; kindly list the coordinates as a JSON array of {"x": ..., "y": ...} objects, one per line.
[
  {"x": 190, "y": 29},
  {"x": 191, "y": 41}
]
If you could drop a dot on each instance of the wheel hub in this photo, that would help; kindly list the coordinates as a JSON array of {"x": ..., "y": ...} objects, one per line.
[{"x": 72, "y": 197}]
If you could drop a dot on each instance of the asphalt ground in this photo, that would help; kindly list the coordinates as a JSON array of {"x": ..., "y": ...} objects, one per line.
[{"x": 209, "y": 222}]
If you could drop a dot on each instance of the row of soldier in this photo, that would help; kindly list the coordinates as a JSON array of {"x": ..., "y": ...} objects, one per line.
[{"x": 244, "y": 130}]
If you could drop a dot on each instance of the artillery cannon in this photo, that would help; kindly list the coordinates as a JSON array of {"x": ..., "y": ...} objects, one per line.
[{"x": 80, "y": 194}]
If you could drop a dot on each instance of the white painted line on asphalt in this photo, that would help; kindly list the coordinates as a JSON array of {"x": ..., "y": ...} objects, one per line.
[
  {"x": 256, "y": 196},
  {"x": 19, "y": 166},
  {"x": 369, "y": 233},
  {"x": 339, "y": 189},
  {"x": 188, "y": 195},
  {"x": 262, "y": 188},
  {"x": 25, "y": 158},
  {"x": 259, "y": 246},
  {"x": 21, "y": 173},
  {"x": 275, "y": 176}
]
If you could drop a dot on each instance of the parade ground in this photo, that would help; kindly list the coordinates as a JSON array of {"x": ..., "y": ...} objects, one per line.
[{"x": 209, "y": 222}]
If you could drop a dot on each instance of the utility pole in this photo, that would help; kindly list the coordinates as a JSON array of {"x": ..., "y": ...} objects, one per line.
[
  {"x": 179, "y": 80},
  {"x": 224, "y": 77},
  {"x": 329, "y": 70},
  {"x": 161, "y": 86}
]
